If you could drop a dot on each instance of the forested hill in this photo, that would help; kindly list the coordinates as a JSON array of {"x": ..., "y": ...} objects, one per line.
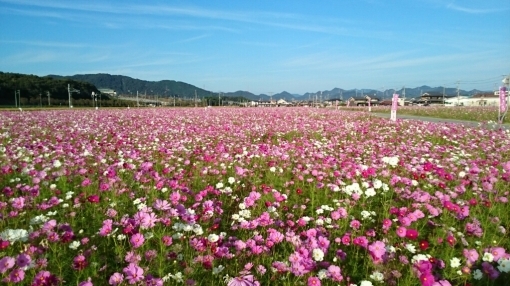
[
  {"x": 34, "y": 90},
  {"x": 127, "y": 85}
]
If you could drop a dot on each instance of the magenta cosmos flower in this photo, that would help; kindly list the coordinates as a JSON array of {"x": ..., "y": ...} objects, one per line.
[
  {"x": 134, "y": 273},
  {"x": 93, "y": 199}
]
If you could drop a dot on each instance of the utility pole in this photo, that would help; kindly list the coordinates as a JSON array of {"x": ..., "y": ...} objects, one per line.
[
  {"x": 69, "y": 91},
  {"x": 458, "y": 99},
  {"x": 48, "y": 95},
  {"x": 195, "y": 98},
  {"x": 137, "y": 103},
  {"x": 16, "y": 95},
  {"x": 443, "y": 94}
]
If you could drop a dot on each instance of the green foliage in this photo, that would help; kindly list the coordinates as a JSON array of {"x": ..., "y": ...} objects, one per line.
[
  {"x": 125, "y": 85},
  {"x": 34, "y": 90}
]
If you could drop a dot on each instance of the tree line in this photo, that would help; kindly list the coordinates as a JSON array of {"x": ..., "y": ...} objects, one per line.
[{"x": 30, "y": 90}]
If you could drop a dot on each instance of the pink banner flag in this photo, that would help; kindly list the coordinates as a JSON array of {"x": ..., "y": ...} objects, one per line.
[
  {"x": 502, "y": 104},
  {"x": 502, "y": 100},
  {"x": 394, "y": 105},
  {"x": 348, "y": 103}
]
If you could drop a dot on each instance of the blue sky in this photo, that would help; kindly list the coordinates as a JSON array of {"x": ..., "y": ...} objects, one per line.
[{"x": 263, "y": 46}]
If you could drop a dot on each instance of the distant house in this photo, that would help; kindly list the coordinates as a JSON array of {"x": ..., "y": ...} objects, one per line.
[
  {"x": 107, "y": 91},
  {"x": 363, "y": 101},
  {"x": 282, "y": 102},
  {"x": 480, "y": 99},
  {"x": 433, "y": 98}
]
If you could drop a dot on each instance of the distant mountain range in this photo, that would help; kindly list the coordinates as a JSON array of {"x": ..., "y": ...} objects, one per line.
[{"x": 125, "y": 85}]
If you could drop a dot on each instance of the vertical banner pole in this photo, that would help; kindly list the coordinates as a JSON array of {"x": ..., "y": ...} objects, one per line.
[{"x": 394, "y": 105}]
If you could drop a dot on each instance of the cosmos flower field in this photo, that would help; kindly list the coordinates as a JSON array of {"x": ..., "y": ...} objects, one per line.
[{"x": 250, "y": 196}]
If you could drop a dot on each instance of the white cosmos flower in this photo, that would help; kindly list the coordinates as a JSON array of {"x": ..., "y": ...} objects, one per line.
[
  {"x": 213, "y": 238},
  {"x": 377, "y": 184},
  {"x": 370, "y": 192},
  {"x": 74, "y": 245},
  {"x": 197, "y": 229},
  {"x": 411, "y": 248},
  {"x": 317, "y": 254},
  {"x": 504, "y": 265},
  {"x": 13, "y": 235},
  {"x": 454, "y": 262},
  {"x": 477, "y": 274},
  {"x": 217, "y": 270},
  {"x": 377, "y": 276},
  {"x": 487, "y": 256},
  {"x": 39, "y": 219},
  {"x": 323, "y": 273},
  {"x": 57, "y": 164}
]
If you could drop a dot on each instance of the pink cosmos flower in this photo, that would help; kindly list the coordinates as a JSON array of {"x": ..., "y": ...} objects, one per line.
[
  {"x": 377, "y": 249},
  {"x": 86, "y": 182},
  {"x": 442, "y": 283},
  {"x": 17, "y": 275},
  {"x": 335, "y": 273},
  {"x": 106, "y": 228},
  {"x": 355, "y": 224},
  {"x": 245, "y": 280},
  {"x": 167, "y": 240},
  {"x": 86, "y": 283},
  {"x": 261, "y": 269},
  {"x": 6, "y": 263},
  {"x": 18, "y": 203},
  {"x": 401, "y": 231},
  {"x": 137, "y": 240},
  {"x": 314, "y": 281},
  {"x": 497, "y": 252},
  {"x": 471, "y": 255},
  {"x": 134, "y": 273}
]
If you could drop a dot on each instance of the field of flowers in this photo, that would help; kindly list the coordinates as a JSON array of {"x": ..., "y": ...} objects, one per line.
[{"x": 261, "y": 196}]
